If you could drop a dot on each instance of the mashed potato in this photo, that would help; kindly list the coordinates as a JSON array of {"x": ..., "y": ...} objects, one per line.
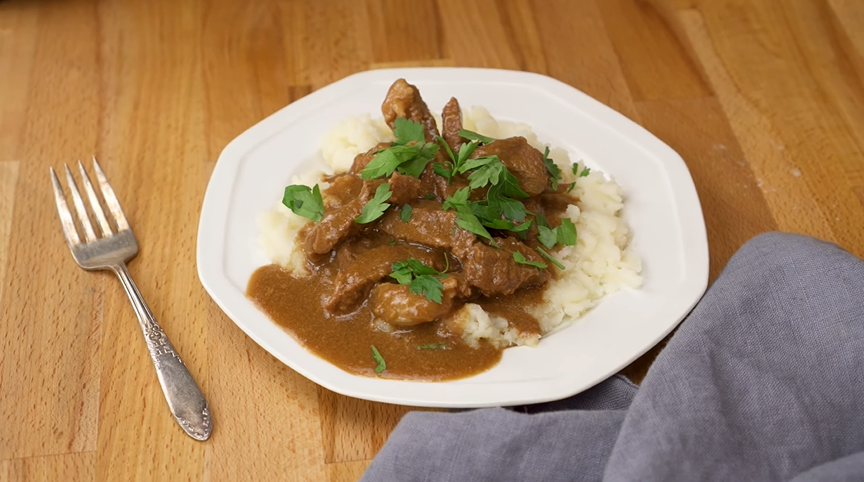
[{"x": 599, "y": 264}]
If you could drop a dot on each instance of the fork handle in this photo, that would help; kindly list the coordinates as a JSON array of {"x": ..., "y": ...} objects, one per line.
[{"x": 184, "y": 398}]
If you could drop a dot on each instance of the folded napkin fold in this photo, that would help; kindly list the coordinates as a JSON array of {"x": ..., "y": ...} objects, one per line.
[{"x": 764, "y": 380}]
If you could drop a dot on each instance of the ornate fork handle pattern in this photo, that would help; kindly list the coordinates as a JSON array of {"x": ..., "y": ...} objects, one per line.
[{"x": 185, "y": 399}]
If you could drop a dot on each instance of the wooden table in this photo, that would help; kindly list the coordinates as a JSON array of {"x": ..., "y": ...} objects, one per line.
[{"x": 764, "y": 99}]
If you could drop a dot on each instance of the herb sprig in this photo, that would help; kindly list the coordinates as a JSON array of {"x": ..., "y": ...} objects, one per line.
[
  {"x": 408, "y": 154},
  {"x": 552, "y": 168},
  {"x": 420, "y": 278},
  {"x": 304, "y": 201},
  {"x": 375, "y": 208},
  {"x": 382, "y": 365}
]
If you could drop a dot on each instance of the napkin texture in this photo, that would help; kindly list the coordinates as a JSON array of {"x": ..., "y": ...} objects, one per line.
[{"x": 764, "y": 380}]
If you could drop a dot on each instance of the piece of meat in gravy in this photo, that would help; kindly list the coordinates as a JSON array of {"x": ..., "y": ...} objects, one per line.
[
  {"x": 429, "y": 225},
  {"x": 337, "y": 224},
  {"x": 451, "y": 120},
  {"x": 364, "y": 158},
  {"x": 404, "y": 188},
  {"x": 353, "y": 283},
  {"x": 522, "y": 160},
  {"x": 397, "y": 305},
  {"x": 403, "y": 100},
  {"x": 343, "y": 189},
  {"x": 494, "y": 271}
]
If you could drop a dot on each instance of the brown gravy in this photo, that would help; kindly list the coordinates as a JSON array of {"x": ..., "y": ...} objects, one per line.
[{"x": 346, "y": 341}]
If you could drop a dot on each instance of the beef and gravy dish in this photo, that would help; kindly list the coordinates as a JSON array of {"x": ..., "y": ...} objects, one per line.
[{"x": 431, "y": 245}]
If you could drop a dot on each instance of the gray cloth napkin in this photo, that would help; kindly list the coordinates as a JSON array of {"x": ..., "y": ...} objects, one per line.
[{"x": 763, "y": 381}]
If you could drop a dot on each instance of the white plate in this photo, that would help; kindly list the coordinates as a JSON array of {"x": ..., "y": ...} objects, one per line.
[{"x": 661, "y": 207}]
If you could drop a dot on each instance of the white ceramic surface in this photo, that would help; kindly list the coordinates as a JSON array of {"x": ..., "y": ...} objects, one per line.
[{"x": 661, "y": 207}]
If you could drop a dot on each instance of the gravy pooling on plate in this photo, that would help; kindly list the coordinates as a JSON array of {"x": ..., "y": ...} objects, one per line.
[{"x": 418, "y": 231}]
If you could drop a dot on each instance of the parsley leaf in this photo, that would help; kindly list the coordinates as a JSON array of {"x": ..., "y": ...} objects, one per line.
[
  {"x": 564, "y": 234},
  {"x": 429, "y": 196},
  {"x": 470, "y": 223},
  {"x": 511, "y": 185},
  {"x": 387, "y": 160},
  {"x": 473, "y": 136},
  {"x": 401, "y": 272},
  {"x": 547, "y": 237},
  {"x": 421, "y": 279},
  {"x": 552, "y": 168},
  {"x": 427, "y": 286},
  {"x": 541, "y": 220},
  {"x": 584, "y": 172},
  {"x": 304, "y": 201},
  {"x": 375, "y": 208},
  {"x": 382, "y": 365},
  {"x": 415, "y": 166},
  {"x": 406, "y": 213},
  {"x": 442, "y": 170},
  {"x": 508, "y": 207},
  {"x": 457, "y": 200},
  {"x": 467, "y": 219},
  {"x": 433, "y": 346},
  {"x": 567, "y": 232},
  {"x": 520, "y": 259},
  {"x": 409, "y": 153},
  {"x": 550, "y": 258},
  {"x": 406, "y": 130},
  {"x": 490, "y": 171}
]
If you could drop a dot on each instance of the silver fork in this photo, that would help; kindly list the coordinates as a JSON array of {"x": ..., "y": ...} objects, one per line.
[{"x": 111, "y": 251}]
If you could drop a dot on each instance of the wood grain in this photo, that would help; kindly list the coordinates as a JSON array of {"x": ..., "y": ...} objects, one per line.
[
  {"x": 74, "y": 466},
  {"x": 764, "y": 101}
]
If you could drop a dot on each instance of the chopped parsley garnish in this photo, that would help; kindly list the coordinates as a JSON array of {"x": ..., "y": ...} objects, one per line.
[
  {"x": 382, "y": 365},
  {"x": 375, "y": 208},
  {"x": 406, "y": 213},
  {"x": 547, "y": 236},
  {"x": 567, "y": 232},
  {"x": 429, "y": 196},
  {"x": 473, "y": 136},
  {"x": 409, "y": 153},
  {"x": 552, "y": 168},
  {"x": 489, "y": 170},
  {"x": 564, "y": 234},
  {"x": 406, "y": 130},
  {"x": 450, "y": 168},
  {"x": 521, "y": 259},
  {"x": 304, "y": 201},
  {"x": 550, "y": 258},
  {"x": 432, "y": 346},
  {"x": 467, "y": 219},
  {"x": 584, "y": 172},
  {"x": 421, "y": 279}
]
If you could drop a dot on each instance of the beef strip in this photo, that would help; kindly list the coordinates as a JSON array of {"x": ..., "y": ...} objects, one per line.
[
  {"x": 405, "y": 189},
  {"x": 338, "y": 224},
  {"x": 368, "y": 268},
  {"x": 522, "y": 160},
  {"x": 343, "y": 189},
  {"x": 398, "y": 306},
  {"x": 430, "y": 226},
  {"x": 494, "y": 271},
  {"x": 452, "y": 124},
  {"x": 403, "y": 100}
]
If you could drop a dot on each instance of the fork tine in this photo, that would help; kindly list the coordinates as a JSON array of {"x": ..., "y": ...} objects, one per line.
[
  {"x": 110, "y": 197},
  {"x": 63, "y": 210},
  {"x": 83, "y": 218},
  {"x": 104, "y": 227}
]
